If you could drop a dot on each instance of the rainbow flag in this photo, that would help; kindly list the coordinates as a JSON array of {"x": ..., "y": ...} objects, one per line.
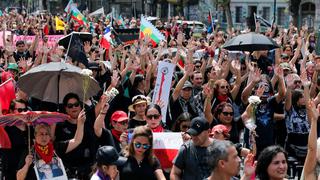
[
  {"x": 78, "y": 16},
  {"x": 148, "y": 29}
]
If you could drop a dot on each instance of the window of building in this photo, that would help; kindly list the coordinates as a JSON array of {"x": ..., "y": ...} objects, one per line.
[
  {"x": 238, "y": 14},
  {"x": 281, "y": 16},
  {"x": 266, "y": 13}
]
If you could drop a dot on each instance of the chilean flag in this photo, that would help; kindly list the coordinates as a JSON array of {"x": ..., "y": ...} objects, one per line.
[
  {"x": 166, "y": 146},
  {"x": 106, "y": 39}
]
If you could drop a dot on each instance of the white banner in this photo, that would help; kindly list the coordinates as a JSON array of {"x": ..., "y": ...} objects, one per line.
[
  {"x": 163, "y": 85},
  {"x": 97, "y": 12}
]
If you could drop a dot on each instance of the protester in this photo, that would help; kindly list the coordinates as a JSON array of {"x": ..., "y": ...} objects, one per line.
[
  {"x": 18, "y": 136},
  {"x": 225, "y": 162},
  {"x": 138, "y": 106},
  {"x": 75, "y": 166},
  {"x": 44, "y": 149},
  {"x": 193, "y": 165},
  {"x": 154, "y": 118},
  {"x": 272, "y": 164},
  {"x": 107, "y": 160},
  {"x": 182, "y": 124},
  {"x": 141, "y": 163}
]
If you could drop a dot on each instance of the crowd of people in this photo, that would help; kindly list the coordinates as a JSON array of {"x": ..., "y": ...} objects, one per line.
[{"x": 208, "y": 104}]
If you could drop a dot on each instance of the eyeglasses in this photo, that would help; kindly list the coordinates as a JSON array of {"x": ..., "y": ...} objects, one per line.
[
  {"x": 139, "y": 145},
  {"x": 21, "y": 109},
  {"x": 197, "y": 66},
  {"x": 223, "y": 87},
  {"x": 155, "y": 116},
  {"x": 227, "y": 113},
  {"x": 123, "y": 122},
  {"x": 70, "y": 105},
  {"x": 254, "y": 64}
]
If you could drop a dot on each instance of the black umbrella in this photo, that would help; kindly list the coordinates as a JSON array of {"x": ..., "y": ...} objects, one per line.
[
  {"x": 83, "y": 36},
  {"x": 250, "y": 42}
]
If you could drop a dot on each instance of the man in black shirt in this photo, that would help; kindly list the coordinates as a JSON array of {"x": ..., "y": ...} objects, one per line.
[{"x": 192, "y": 159}]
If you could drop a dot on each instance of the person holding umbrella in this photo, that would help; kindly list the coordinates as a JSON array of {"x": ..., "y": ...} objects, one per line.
[{"x": 45, "y": 151}]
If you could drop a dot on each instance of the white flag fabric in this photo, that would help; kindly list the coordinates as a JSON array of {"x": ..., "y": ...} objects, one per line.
[
  {"x": 163, "y": 85},
  {"x": 97, "y": 12},
  {"x": 166, "y": 146}
]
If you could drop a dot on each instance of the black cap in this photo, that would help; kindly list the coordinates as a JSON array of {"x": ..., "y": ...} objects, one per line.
[
  {"x": 198, "y": 125},
  {"x": 108, "y": 155}
]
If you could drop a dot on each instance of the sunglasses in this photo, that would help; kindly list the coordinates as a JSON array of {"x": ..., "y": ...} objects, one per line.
[
  {"x": 155, "y": 116},
  {"x": 70, "y": 105},
  {"x": 227, "y": 113},
  {"x": 223, "y": 87},
  {"x": 185, "y": 127},
  {"x": 123, "y": 122},
  {"x": 21, "y": 109},
  {"x": 144, "y": 146}
]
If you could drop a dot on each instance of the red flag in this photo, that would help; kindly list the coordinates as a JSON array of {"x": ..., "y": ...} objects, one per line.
[
  {"x": 209, "y": 18},
  {"x": 8, "y": 89},
  {"x": 5, "y": 142}
]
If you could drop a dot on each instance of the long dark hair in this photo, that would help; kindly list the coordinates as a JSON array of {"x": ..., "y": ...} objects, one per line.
[
  {"x": 152, "y": 105},
  {"x": 218, "y": 110},
  {"x": 181, "y": 118},
  {"x": 145, "y": 132},
  {"x": 265, "y": 159}
]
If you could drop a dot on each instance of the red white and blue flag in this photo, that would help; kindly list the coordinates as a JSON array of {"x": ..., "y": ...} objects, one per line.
[{"x": 106, "y": 40}]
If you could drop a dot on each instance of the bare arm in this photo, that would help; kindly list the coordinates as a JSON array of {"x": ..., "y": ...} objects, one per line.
[
  {"x": 188, "y": 72},
  {"x": 99, "y": 123},
  {"x": 311, "y": 159},
  {"x": 175, "y": 173},
  {"x": 159, "y": 174}
]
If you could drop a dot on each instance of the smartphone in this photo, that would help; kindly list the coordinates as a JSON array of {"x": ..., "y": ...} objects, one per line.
[{"x": 130, "y": 135}]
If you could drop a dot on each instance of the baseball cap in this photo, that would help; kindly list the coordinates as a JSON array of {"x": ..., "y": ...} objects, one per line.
[
  {"x": 108, "y": 155},
  {"x": 221, "y": 129},
  {"x": 13, "y": 66},
  {"x": 187, "y": 84},
  {"x": 198, "y": 125},
  {"x": 119, "y": 116}
]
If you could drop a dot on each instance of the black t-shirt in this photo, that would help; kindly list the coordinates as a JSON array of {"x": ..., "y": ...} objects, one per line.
[
  {"x": 135, "y": 123},
  {"x": 107, "y": 139},
  {"x": 17, "y": 55},
  {"x": 132, "y": 170},
  {"x": 11, "y": 157},
  {"x": 192, "y": 161},
  {"x": 83, "y": 155},
  {"x": 59, "y": 148}
]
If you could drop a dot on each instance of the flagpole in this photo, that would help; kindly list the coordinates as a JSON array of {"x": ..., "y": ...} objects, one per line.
[{"x": 65, "y": 58}]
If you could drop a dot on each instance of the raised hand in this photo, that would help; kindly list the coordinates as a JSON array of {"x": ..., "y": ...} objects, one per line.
[
  {"x": 87, "y": 46},
  {"x": 256, "y": 75},
  {"x": 249, "y": 165},
  {"x": 260, "y": 90},
  {"x": 278, "y": 71},
  {"x": 304, "y": 79},
  {"x": 312, "y": 110},
  {"x": 114, "y": 78},
  {"x": 82, "y": 116}
]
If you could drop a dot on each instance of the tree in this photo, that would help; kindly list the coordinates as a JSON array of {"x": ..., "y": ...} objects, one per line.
[{"x": 225, "y": 4}]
